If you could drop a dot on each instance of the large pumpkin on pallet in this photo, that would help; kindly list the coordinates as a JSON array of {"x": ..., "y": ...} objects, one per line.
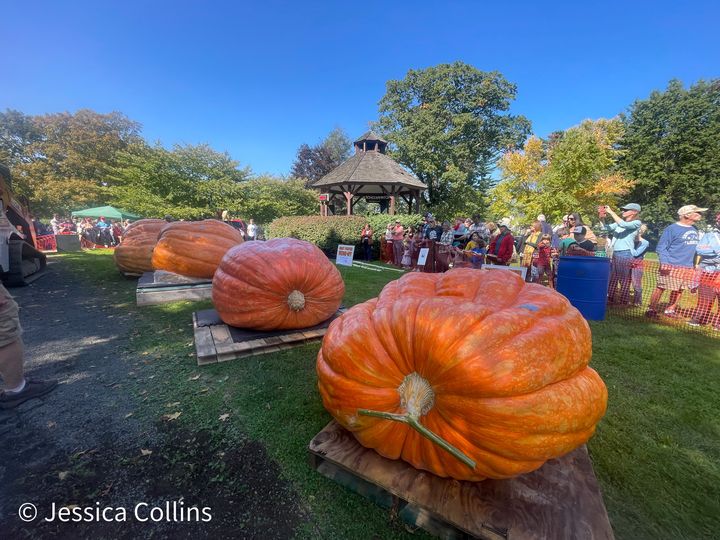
[
  {"x": 194, "y": 248},
  {"x": 468, "y": 374},
  {"x": 134, "y": 254},
  {"x": 276, "y": 285}
]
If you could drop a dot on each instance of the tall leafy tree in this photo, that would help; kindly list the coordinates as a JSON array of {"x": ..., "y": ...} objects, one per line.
[
  {"x": 672, "y": 148},
  {"x": 449, "y": 124},
  {"x": 61, "y": 161},
  {"x": 313, "y": 162},
  {"x": 267, "y": 198},
  {"x": 189, "y": 182},
  {"x": 18, "y": 132}
]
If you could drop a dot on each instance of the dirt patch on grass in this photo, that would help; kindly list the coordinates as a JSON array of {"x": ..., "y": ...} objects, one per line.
[
  {"x": 94, "y": 443},
  {"x": 240, "y": 488}
]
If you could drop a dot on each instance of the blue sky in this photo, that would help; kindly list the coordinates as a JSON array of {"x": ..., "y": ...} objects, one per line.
[{"x": 259, "y": 79}]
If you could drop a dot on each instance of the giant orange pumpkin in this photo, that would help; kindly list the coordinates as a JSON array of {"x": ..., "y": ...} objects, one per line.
[
  {"x": 468, "y": 374},
  {"x": 145, "y": 225},
  {"x": 276, "y": 285},
  {"x": 194, "y": 248},
  {"x": 134, "y": 254}
]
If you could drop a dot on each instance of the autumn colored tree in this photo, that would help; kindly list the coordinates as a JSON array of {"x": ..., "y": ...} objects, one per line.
[
  {"x": 574, "y": 172},
  {"x": 61, "y": 161}
]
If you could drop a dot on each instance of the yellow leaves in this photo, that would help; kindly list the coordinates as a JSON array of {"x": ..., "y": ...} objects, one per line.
[
  {"x": 579, "y": 177},
  {"x": 610, "y": 186}
]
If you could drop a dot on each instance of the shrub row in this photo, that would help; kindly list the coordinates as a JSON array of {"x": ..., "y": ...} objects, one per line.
[{"x": 328, "y": 232}]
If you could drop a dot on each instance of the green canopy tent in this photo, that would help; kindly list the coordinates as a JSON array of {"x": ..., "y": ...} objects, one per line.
[{"x": 109, "y": 212}]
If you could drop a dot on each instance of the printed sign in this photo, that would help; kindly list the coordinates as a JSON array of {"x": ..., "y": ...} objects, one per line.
[
  {"x": 422, "y": 256},
  {"x": 345, "y": 255}
]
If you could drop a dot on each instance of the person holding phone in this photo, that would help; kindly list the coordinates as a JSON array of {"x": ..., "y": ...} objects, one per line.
[{"x": 623, "y": 230}]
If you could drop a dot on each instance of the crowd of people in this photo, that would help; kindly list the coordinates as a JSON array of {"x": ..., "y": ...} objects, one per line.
[
  {"x": 475, "y": 242},
  {"x": 103, "y": 232},
  {"x": 91, "y": 232},
  {"x": 688, "y": 259}
]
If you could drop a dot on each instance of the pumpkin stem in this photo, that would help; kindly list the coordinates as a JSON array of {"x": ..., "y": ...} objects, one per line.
[
  {"x": 417, "y": 397},
  {"x": 296, "y": 300}
]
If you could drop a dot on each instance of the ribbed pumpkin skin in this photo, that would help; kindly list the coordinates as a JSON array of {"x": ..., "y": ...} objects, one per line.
[
  {"x": 145, "y": 225},
  {"x": 194, "y": 248},
  {"x": 134, "y": 254},
  {"x": 507, "y": 362},
  {"x": 252, "y": 285}
]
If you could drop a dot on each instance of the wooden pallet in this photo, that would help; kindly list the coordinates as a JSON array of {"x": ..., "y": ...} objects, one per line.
[
  {"x": 561, "y": 500},
  {"x": 153, "y": 290},
  {"x": 217, "y": 342}
]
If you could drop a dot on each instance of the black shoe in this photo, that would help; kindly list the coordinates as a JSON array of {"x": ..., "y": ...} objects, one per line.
[{"x": 33, "y": 389}]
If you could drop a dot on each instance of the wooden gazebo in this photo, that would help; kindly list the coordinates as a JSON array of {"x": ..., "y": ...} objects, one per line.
[{"x": 372, "y": 175}]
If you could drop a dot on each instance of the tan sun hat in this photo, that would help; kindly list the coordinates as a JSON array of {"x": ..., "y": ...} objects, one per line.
[{"x": 689, "y": 209}]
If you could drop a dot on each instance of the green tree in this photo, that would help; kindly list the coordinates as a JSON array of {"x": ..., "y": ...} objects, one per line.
[
  {"x": 672, "y": 148},
  {"x": 17, "y": 132},
  {"x": 267, "y": 198},
  {"x": 449, "y": 124},
  {"x": 189, "y": 182}
]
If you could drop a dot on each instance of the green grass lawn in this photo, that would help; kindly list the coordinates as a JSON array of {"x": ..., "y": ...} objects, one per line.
[{"x": 656, "y": 452}]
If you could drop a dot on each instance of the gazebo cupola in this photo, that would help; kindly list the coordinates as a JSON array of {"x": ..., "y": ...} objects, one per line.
[
  {"x": 372, "y": 175},
  {"x": 370, "y": 142}
]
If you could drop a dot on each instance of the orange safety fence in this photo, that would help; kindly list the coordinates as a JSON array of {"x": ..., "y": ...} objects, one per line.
[
  {"x": 638, "y": 288},
  {"x": 672, "y": 294},
  {"x": 46, "y": 242}
]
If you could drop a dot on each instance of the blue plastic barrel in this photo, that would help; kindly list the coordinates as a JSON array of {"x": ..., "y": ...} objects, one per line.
[{"x": 584, "y": 281}]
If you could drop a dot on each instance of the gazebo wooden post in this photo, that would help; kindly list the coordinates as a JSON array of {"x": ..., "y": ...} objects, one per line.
[
  {"x": 392, "y": 205},
  {"x": 348, "y": 198}
]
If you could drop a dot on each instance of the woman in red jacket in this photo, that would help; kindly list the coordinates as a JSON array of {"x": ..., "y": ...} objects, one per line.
[{"x": 501, "y": 247}]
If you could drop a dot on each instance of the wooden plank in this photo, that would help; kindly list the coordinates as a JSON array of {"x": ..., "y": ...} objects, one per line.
[
  {"x": 204, "y": 346},
  {"x": 216, "y": 341},
  {"x": 222, "y": 338},
  {"x": 562, "y": 499},
  {"x": 154, "y": 297}
]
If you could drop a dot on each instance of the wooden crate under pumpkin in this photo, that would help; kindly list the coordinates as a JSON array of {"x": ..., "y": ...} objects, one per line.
[
  {"x": 216, "y": 341},
  {"x": 153, "y": 290},
  {"x": 562, "y": 499}
]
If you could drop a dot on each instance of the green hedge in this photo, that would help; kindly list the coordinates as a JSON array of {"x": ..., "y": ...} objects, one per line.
[{"x": 328, "y": 232}]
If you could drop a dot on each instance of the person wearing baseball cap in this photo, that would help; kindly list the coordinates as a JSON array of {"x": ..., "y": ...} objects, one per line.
[
  {"x": 623, "y": 230},
  {"x": 676, "y": 251},
  {"x": 708, "y": 249}
]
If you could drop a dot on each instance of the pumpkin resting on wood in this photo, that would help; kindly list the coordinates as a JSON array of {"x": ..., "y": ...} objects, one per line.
[
  {"x": 134, "y": 254},
  {"x": 276, "y": 285},
  {"x": 194, "y": 248},
  {"x": 470, "y": 374}
]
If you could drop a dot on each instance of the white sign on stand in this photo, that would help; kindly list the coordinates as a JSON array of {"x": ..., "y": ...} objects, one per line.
[
  {"x": 422, "y": 256},
  {"x": 345, "y": 255},
  {"x": 522, "y": 270}
]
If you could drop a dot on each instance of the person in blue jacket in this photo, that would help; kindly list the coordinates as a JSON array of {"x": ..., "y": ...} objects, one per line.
[
  {"x": 638, "y": 265},
  {"x": 623, "y": 230},
  {"x": 708, "y": 249},
  {"x": 676, "y": 251}
]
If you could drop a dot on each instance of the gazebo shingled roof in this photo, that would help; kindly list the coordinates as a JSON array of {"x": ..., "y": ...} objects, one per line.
[{"x": 371, "y": 173}]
